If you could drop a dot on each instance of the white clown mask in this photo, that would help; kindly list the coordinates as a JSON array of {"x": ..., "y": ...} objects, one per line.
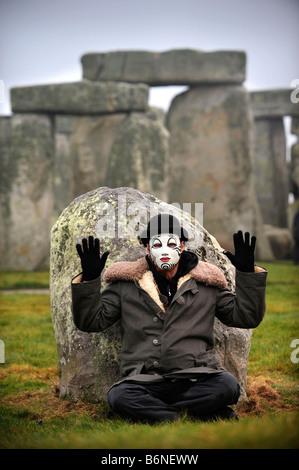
[{"x": 165, "y": 250}]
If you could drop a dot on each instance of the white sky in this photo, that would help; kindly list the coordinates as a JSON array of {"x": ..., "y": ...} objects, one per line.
[{"x": 41, "y": 41}]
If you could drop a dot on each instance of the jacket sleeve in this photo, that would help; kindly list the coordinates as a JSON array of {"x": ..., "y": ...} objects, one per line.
[
  {"x": 92, "y": 310},
  {"x": 245, "y": 308}
]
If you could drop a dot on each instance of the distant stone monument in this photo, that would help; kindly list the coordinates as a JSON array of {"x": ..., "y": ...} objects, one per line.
[{"x": 66, "y": 139}]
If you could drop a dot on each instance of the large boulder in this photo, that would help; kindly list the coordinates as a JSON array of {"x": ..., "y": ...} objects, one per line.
[
  {"x": 26, "y": 191},
  {"x": 89, "y": 362},
  {"x": 174, "y": 67},
  {"x": 211, "y": 139},
  {"x": 83, "y": 97}
]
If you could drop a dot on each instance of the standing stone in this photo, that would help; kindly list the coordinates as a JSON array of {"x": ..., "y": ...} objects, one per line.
[
  {"x": 62, "y": 180},
  {"x": 89, "y": 362},
  {"x": 82, "y": 149},
  {"x": 84, "y": 97},
  {"x": 294, "y": 166},
  {"x": 211, "y": 161},
  {"x": 7, "y": 176},
  {"x": 272, "y": 178},
  {"x": 174, "y": 67},
  {"x": 118, "y": 150},
  {"x": 26, "y": 191},
  {"x": 139, "y": 155},
  {"x": 271, "y": 175}
]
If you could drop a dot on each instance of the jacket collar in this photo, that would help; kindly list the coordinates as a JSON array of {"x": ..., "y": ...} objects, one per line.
[{"x": 203, "y": 272}]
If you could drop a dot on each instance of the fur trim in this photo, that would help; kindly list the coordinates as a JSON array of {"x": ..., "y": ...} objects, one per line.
[
  {"x": 126, "y": 270},
  {"x": 134, "y": 270},
  {"x": 208, "y": 274},
  {"x": 148, "y": 284},
  {"x": 184, "y": 279}
]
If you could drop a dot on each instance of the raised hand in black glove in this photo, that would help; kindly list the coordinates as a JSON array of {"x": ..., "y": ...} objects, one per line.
[
  {"x": 92, "y": 263},
  {"x": 243, "y": 259}
]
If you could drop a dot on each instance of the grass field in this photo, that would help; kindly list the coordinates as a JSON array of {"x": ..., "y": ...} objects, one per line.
[{"x": 34, "y": 417}]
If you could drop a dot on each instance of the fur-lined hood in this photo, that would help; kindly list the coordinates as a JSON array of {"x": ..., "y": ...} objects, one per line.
[{"x": 203, "y": 272}]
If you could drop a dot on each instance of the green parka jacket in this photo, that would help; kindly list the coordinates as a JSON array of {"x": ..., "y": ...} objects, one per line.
[{"x": 179, "y": 342}]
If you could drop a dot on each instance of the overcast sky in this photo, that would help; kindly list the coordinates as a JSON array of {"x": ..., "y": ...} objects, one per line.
[{"x": 41, "y": 41}]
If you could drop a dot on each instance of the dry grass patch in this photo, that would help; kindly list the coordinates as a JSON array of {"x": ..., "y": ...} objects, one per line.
[
  {"x": 46, "y": 405},
  {"x": 262, "y": 398}
]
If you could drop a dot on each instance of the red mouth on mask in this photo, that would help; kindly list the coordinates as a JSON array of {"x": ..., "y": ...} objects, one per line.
[{"x": 164, "y": 260}]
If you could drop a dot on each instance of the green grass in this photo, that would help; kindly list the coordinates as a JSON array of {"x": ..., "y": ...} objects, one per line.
[
  {"x": 84, "y": 432},
  {"x": 29, "y": 383},
  {"x": 271, "y": 342},
  {"x": 24, "y": 280}
]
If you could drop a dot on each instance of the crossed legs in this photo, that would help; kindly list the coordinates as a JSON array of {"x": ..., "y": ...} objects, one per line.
[{"x": 166, "y": 400}]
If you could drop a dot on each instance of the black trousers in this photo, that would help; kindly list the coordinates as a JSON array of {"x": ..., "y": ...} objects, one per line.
[{"x": 166, "y": 400}]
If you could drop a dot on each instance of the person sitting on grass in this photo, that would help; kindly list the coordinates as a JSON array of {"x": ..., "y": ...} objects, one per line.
[{"x": 167, "y": 302}]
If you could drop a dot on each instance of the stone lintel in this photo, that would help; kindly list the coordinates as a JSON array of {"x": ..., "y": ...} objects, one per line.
[
  {"x": 274, "y": 103},
  {"x": 82, "y": 97},
  {"x": 173, "y": 67}
]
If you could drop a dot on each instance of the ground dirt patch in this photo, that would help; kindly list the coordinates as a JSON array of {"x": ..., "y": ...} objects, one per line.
[
  {"x": 46, "y": 405},
  {"x": 261, "y": 397}
]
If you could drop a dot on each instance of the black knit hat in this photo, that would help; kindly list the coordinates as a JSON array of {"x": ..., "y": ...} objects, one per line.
[{"x": 163, "y": 223}]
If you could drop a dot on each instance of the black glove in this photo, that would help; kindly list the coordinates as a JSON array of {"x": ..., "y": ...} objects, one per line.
[
  {"x": 92, "y": 264},
  {"x": 243, "y": 259}
]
